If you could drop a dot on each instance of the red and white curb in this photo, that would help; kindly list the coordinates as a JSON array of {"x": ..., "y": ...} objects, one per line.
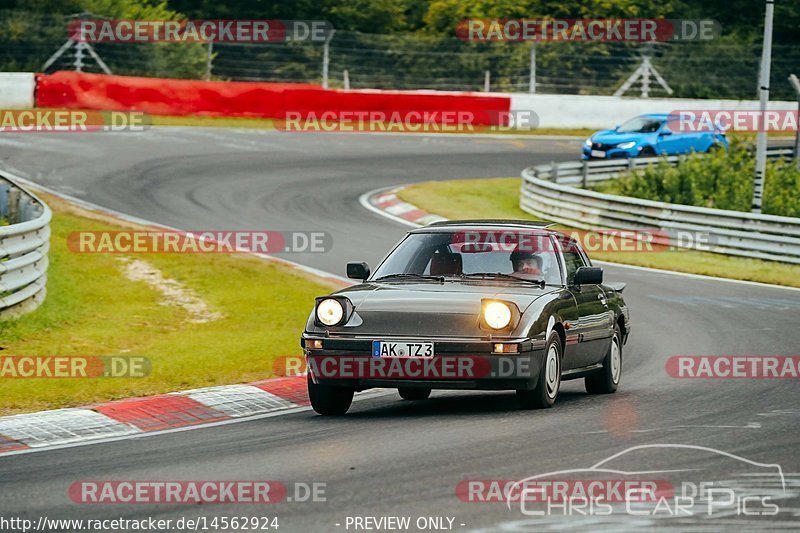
[
  {"x": 176, "y": 411},
  {"x": 386, "y": 203},
  {"x": 148, "y": 414}
]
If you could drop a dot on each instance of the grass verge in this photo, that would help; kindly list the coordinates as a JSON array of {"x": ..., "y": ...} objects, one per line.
[
  {"x": 267, "y": 123},
  {"x": 93, "y": 309},
  {"x": 499, "y": 198}
]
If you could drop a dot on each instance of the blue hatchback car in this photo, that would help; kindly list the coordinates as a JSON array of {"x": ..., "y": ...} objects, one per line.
[{"x": 650, "y": 135}]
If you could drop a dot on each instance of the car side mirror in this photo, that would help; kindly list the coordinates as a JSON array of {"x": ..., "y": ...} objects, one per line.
[
  {"x": 588, "y": 276},
  {"x": 358, "y": 270},
  {"x": 664, "y": 133}
]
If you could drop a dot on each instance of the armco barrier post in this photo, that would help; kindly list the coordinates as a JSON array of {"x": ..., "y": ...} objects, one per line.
[
  {"x": 584, "y": 173},
  {"x": 13, "y": 205},
  {"x": 4, "y": 189}
]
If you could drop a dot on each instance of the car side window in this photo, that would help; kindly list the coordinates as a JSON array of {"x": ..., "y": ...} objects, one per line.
[{"x": 572, "y": 259}]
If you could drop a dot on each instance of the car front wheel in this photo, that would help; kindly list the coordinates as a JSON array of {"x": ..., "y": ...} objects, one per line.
[
  {"x": 546, "y": 391},
  {"x": 327, "y": 400},
  {"x": 606, "y": 380},
  {"x": 414, "y": 394}
]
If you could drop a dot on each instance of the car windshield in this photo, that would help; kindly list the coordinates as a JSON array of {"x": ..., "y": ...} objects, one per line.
[
  {"x": 475, "y": 255},
  {"x": 640, "y": 125}
]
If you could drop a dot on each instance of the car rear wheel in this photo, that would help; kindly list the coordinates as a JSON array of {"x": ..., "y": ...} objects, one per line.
[
  {"x": 414, "y": 394},
  {"x": 328, "y": 400},
  {"x": 606, "y": 380},
  {"x": 546, "y": 391}
]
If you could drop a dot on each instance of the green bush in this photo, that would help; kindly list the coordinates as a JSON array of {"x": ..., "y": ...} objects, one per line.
[{"x": 722, "y": 180}]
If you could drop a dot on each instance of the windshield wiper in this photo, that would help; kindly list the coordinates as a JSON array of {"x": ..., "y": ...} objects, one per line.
[
  {"x": 499, "y": 275},
  {"x": 439, "y": 279}
]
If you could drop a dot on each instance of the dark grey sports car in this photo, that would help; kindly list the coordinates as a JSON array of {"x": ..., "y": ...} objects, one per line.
[{"x": 481, "y": 304}]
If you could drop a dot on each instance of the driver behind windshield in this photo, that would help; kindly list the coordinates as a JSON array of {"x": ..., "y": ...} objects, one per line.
[{"x": 527, "y": 263}]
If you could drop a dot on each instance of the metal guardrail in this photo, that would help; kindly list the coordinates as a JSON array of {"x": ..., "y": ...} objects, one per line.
[
  {"x": 583, "y": 172},
  {"x": 24, "y": 243},
  {"x": 547, "y": 192}
]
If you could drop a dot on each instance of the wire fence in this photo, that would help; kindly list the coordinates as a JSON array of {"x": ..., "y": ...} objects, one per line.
[{"x": 725, "y": 68}]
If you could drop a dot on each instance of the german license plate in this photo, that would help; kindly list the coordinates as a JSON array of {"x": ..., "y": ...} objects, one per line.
[
  {"x": 598, "y": 153},
  {"x": 402, "y": 349}
]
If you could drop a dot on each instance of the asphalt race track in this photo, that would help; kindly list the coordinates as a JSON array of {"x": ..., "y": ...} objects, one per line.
[{"x": 388, "y": 457}]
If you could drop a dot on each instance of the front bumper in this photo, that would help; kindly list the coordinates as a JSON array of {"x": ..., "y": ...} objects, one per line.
[
  {"x": 613, "y": 153},
  {"x": 458, "y": 364}
]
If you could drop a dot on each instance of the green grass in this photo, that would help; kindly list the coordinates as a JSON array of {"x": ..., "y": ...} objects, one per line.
[
  {"x": 267, "y": 123},
  {"x": 499, "y": 198},
  {"x": 215, "y": 122},
  {"x": 92, "y": 309}
]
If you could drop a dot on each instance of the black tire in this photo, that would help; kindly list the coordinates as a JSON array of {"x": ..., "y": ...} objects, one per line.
[
  {"x": 546, "y": 391},
  {"x": 327, "y": 400},
  {"x": 414, "y": 394},
  {"x": 606, "y": 380},
  {"x": 647, "y": 151},
  {"x": 715, "y": 147}
]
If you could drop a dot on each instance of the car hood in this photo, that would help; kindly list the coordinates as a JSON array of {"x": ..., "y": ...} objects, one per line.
[
  {"x": 613, "y": 137},
  {"x": 428, "y": 309}
]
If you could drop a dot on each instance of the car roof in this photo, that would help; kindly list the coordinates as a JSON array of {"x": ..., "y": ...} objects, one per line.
[
  {"x": 484, "y": 224},
  {"x": 658, "y": 116}
]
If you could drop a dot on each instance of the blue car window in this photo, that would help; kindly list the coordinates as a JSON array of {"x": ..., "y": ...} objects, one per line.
[{"x": 640, "y": 125}]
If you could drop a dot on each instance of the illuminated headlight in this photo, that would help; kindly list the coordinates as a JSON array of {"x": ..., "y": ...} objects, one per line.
[
  {"x": 588, "y": 142},
  {"x": 330, "y": 312},
  {"x": 497, "y": 315},
  {"x": 625, "y": 146}
]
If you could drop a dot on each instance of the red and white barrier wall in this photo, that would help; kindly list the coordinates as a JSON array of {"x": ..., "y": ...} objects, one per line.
[
  {"x": 250, "y": 99},
  {"x": 17, "y": 90},
  {"x": 273, "y": 100}
]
